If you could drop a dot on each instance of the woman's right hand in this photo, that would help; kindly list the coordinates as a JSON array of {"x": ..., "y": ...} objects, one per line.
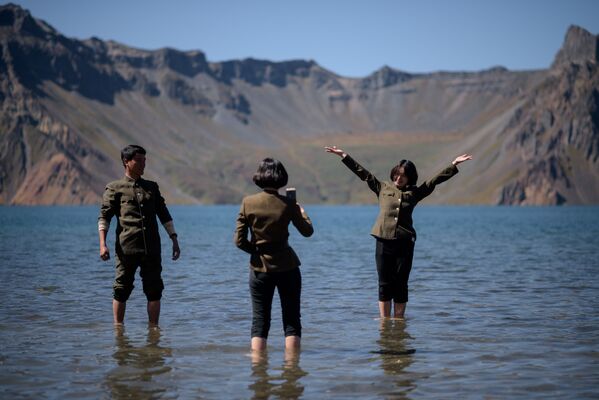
[
  {"x": 335, "y": 150},
  {"x": 301, "y": 208}
]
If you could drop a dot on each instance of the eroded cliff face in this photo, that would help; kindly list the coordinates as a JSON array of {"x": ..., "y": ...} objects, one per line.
[
  {"x": 42, "y": 160},
  {"x": 68, "y": 106},
  {"x": 556, "y": 132}
]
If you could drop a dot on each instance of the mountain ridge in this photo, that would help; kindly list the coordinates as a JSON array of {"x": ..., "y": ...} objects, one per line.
[{"x": 68, "y": 106}]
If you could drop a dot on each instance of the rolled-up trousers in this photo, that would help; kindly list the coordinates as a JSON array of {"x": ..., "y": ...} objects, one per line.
[
  {"x": 262, "y": 289},
  {"x": 393, "y": 264}
]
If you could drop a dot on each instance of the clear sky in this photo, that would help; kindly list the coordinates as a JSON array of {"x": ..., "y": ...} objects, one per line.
[{"x": 352, "y": 38}]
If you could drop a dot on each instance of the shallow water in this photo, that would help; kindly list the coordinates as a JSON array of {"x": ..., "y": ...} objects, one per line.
[{"x": 504, "y": 303}]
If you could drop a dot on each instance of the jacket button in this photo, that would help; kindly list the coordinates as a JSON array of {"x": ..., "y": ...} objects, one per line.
[{"x": 395, "y": 219}]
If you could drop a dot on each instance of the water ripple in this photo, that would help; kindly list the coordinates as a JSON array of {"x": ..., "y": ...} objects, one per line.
[{"x": 506, "y": 306}]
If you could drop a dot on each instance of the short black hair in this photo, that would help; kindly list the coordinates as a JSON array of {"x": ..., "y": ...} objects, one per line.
[
  {"x": 271, "y": 173},
  {"x": 409, "y": 170},
  {"x": 130, "y": 151}
]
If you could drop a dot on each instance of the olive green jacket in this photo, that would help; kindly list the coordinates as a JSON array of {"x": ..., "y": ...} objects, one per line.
[
  {"x": 395, "y": 205},
  {"x": 136, "y": 204},
  {"x": 266, "y": 215}
]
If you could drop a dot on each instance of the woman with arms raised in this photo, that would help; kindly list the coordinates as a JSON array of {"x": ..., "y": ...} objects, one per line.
[{"x": 395, "y": 236}]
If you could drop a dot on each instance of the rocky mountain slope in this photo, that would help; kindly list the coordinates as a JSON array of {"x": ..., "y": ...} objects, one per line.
[
  {"x": 555, "y": 134},
  {"x": 68, "y": 106}
]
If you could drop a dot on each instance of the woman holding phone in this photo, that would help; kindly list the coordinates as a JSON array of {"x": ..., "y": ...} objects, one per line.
[
  {"x": 273, "y": 263},
  {"x": 393, "y": 230}
]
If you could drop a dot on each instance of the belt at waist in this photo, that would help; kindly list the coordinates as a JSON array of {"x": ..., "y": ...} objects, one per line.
[{"x": 270, "y": 248}]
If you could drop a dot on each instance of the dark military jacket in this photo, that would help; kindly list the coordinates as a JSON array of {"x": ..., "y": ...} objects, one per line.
[
  {"x": 267, "y": 216},
  {"x": 395, "y": 205},
  {"x": 135, "y": 204}
]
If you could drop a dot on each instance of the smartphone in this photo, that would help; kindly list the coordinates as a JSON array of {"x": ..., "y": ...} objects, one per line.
[{"x": 290, "y": 192}]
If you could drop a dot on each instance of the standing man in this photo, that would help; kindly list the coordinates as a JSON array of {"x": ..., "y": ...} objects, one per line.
[{"x": 136, "y": 203}]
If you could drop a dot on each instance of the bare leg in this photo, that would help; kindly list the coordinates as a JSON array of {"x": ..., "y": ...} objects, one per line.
[
  {"x": 399, "y": 310},
  {"x": 258, "y": 343},
  {"x": 259, "y": 358},
  {"x": 154, "y": 311},
  {"x": 292, "y": 342},
  {"x": 291, "y": 357},
  {"x": 118, "y": 311},
  {"x": 385, "y": 309}
]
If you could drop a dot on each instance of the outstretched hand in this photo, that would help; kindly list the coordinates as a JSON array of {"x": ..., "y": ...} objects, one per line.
[
  {"x": 461, "y": 159},
  {"x": 335, "y": 150}
]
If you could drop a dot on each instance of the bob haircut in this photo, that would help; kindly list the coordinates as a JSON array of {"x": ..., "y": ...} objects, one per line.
[
  {"x": 130, "y": 151},
  {"x": 409, "y": 170},
  {"x": 271, "y": 174}
]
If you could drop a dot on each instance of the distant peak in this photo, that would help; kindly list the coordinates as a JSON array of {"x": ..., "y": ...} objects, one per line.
[
  {"x": 21, "y": 21},
  {"x": 384, "y": 77},
  {"x": 387, "y": 70},
  {"x": 577, "y": 31},
  {"x": 14, "y": 8},
  {"x": 497, "y": 69},
  {"x": 579, "y": 46},
  {"x": 13, "y": 15}
]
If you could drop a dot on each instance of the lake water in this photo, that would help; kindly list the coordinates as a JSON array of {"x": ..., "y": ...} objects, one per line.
[{"x": 504, "y": 303}]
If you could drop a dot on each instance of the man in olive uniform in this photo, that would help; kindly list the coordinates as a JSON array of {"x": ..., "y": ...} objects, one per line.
[{"x": 136, "y": 203}]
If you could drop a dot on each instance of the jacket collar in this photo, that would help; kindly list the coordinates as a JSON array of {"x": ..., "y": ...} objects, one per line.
[
  {"x": 129, "y": 179},
  {"x": 406, "y": 188}
]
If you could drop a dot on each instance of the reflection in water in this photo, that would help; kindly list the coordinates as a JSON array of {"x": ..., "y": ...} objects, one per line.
[
  {"x": 283, "y": 384},
  {"x": 139, "y": 367},
  {"x": 394, "y": 353}
]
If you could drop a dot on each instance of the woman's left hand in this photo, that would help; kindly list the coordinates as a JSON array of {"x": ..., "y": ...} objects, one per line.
[{"x": 461, "y": 159}]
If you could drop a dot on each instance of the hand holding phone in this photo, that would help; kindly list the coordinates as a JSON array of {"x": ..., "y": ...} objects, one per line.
[{"x": 290, "y": 192}]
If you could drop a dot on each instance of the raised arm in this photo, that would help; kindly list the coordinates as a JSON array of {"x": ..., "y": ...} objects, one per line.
[
  {"x": 429, "y": 186},
  {"x": 373, "y": 183},
  {"x": 302, "y": 222}
]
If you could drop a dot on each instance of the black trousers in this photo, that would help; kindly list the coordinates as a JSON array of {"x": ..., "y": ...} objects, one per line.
[
  {"x": 393, "y": 264},
  {"x": 262, "y": 289}
]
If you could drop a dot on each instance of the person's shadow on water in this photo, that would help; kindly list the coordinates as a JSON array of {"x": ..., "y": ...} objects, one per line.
[
  {"x": 137, "y": 367},
  {"x": 394, "y": 352},
  {"x": 284, "y": 384}
]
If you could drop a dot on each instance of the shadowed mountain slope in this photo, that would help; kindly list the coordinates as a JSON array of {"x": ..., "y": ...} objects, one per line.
[{"x": 69, "y": 106}]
